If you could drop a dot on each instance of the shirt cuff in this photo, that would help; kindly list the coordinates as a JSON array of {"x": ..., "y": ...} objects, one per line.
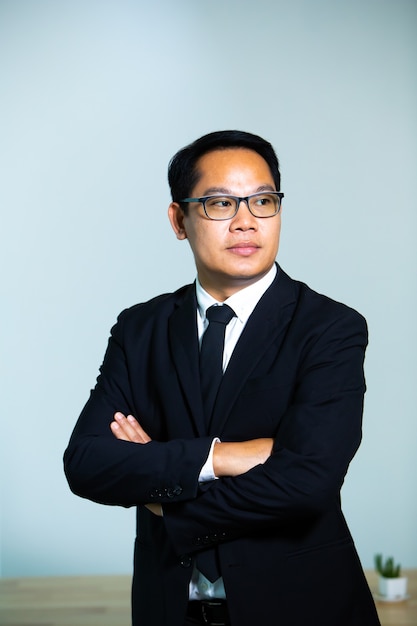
[{"x": 207, "y": 471}]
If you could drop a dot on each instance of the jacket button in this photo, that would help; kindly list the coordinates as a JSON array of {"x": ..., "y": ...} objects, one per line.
[
  {"x": 185, "y": 560},
  {"x": 174, "y": 491}
]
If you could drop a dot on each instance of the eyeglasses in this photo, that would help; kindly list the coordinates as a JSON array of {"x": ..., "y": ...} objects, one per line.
[{"x": 225, "y": 207}]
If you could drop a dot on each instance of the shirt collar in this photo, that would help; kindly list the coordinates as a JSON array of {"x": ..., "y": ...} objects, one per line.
[{"x": 243, "y": 302}]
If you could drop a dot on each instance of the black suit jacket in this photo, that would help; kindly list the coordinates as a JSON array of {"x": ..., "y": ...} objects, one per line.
[{"x": 296, "y": 374}]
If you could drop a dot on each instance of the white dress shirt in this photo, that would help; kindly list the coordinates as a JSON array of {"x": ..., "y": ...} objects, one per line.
[{"x": 243, "y": 303}]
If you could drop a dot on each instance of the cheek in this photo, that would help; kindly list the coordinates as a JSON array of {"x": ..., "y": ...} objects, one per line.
[
  {"x": 278, "y": 234},
  {"x": 203, "y": 239},
  {"x": 271, "y": 236},
  {"x": 210, "y": 233}
]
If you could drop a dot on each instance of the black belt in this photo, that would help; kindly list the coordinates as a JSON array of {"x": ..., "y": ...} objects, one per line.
[{"x": 209, "y": 612}]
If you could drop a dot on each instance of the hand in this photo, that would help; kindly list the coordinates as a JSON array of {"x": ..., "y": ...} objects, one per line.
[
  {"x": 128, "y": 429},
  {"x": 156, "y": 509},
  {"x": 237, "y": 457}
]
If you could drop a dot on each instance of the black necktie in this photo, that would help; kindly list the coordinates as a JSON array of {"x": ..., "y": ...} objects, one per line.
[
  {"x": 211, "y": 372},
  {"x": 211, "y": 355}
]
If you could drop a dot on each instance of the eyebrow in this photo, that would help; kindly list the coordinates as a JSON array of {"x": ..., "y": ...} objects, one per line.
[{"x": 223, "y": 190}]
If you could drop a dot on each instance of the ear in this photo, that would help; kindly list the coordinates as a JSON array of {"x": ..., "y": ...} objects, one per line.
[{"x": 176, "y": 217}]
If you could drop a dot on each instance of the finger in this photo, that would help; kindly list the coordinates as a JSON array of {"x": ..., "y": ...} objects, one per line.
[
  {"x": 128, "y": 429},
  {"x": 118, "y": 432},
  {"x": 142, "y": 434},
  {"x": 125, "y": 429}
]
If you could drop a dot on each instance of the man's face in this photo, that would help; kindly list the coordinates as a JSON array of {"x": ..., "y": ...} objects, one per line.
[{"x": 229, "y": 254}]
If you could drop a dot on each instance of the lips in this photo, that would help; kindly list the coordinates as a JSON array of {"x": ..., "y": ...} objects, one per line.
[{"x": 244, "y": 248}]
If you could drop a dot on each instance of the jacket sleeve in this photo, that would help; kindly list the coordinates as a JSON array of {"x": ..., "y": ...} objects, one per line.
[
  {"x": 104, "y": 469},
  {"x": 316, "y": 439}
]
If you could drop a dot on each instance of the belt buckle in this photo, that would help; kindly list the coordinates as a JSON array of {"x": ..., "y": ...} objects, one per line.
[{"x": 207, "y": 613}]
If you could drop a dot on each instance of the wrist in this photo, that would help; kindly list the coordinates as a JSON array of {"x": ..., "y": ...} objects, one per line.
[{"x": 223, "y": 458}]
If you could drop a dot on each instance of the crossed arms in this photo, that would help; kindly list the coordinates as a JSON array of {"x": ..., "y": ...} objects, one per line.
[
  {"x": 229, "y": 458},
  {"x": 315, "y": 395}
]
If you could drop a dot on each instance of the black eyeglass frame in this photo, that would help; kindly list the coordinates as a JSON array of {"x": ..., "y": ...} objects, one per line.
[{"x": 238, "y": 199}]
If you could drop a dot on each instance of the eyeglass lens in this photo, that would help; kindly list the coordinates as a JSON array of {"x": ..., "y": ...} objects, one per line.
[{"x": 260, "y": 205}]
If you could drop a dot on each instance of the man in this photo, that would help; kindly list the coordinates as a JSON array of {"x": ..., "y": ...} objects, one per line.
[{"x": 239, "y": 518}]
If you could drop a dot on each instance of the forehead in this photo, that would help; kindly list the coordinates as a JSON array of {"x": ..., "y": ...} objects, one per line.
[{"x": 232, "y": 167}]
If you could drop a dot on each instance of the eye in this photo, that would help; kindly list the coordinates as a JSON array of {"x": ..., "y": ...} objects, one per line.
[
  {"x": 264, "y": 200},
  {"x": 219, "y": 202}
]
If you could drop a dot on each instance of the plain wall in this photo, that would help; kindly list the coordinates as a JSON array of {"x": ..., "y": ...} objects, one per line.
[{"x": 95, "y": 98}]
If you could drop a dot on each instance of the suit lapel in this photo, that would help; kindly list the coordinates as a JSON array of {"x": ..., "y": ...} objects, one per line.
[
  {"x": 267, "y": 324},
  {"x": 183, "y": 338}
]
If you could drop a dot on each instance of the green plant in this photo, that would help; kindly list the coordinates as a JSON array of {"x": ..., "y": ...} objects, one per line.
[{"x": 387, "y": 569}]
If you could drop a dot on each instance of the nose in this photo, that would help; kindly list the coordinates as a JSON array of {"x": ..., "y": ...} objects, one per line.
[{"x": 244, "y": 220}]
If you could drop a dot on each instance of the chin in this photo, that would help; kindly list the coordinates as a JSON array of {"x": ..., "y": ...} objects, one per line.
[{"x": 246, "y": 269}]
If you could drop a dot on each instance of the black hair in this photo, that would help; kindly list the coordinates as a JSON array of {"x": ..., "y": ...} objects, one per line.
[{"x": 183, "y": 174}]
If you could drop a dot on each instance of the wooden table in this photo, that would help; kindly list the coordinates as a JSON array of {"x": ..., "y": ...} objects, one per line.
[
  {"x": 397, "y": 613},
  {"x": 105, "y": 601},
  {"x": 65, "y": 601}
]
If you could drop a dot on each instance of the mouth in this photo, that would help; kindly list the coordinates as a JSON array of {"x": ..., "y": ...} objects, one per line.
[{"x": 245, "y": 248}]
